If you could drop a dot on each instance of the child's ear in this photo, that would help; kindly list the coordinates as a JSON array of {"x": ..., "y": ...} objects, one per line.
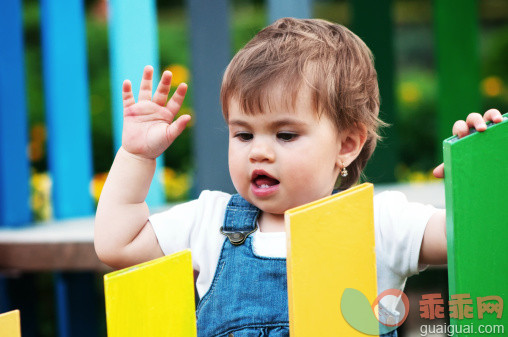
[{"x": 351, "y": 142}]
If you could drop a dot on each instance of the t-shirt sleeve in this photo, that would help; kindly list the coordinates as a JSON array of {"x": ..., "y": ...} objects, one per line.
[
  {"x": 399, "y": 228},
  {"x": 191, "y": 225},
  {"x": 173, "y": 227},
  {"x": 194, "y": 225}
]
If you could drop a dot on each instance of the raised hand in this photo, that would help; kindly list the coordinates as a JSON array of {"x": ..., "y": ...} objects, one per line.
[
  {"x": 473, "y": 120},
  {"x": 148, "y": 126}
]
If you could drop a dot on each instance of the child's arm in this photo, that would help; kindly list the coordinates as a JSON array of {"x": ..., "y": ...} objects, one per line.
[
  {"x": 123, "y": 234},
  {"x": 433, "y": 249}
]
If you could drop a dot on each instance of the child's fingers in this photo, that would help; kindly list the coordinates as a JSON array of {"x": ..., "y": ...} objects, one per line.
[
  {"x": 145, "y": 89},
  {"x": 175, "y": 129},
  {"x": 176, "y": 100},
  {"x": 439, "y": 171},
  {"x": 127, "y": 96},
  {"x": 460, "y": 129},
  {"x": 493, "y": 115},
  {"x": 161, "y": 94},
  {"x": 475, "y": 120}
]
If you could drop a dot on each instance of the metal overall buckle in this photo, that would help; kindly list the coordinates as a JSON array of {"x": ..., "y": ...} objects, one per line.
[{"x": 238, "y": 237}]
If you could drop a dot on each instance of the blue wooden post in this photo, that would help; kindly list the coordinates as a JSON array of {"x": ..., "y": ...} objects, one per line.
[
  {"x": 133, "y": 44},
  {"x": 277, "y": 9},
  {"x": 14, "y": 166},
  {"x": 67, "y": 106},
  {"x": 15, "y": 211},
  {"x": 69, "y": 145},
  {"x": 211, "y": 52}
]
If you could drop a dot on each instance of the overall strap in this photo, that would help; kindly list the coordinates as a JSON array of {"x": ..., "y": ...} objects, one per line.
[{"x": 240, "y": 220}]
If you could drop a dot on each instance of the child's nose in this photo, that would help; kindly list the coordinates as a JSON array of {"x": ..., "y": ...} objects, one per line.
[{"x": 261, "y": 151}]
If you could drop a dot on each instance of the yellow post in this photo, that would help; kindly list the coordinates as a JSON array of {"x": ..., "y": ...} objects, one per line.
[
  {"x": 10, "y": 324},
  {"x": 155, "y": 298},
  {"x": 331, "y": 247}
]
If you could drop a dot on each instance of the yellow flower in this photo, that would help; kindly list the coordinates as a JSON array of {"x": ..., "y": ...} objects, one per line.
[
  {"x": 176, "y": 185},
  {"x": 410, "y": 92},
  {"x": 492, "y": 86},
  {"x": 40, "y": 198},
  {"x": 180, "y": 74},
  {"x": 97, "y": 184},
  {"x": 405, "y": 174}
]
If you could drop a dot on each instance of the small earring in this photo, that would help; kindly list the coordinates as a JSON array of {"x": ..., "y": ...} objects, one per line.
[{"x": 343, "y": 171}]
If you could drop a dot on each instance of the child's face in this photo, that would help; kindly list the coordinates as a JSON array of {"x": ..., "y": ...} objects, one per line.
[{"x": 282, "y": 159}]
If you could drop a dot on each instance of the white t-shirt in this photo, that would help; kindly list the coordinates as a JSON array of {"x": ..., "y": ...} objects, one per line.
[{"x": 399, "y": 227}]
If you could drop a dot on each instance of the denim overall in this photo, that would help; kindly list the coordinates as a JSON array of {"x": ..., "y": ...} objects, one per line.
[{"x": 248, "y": 295}]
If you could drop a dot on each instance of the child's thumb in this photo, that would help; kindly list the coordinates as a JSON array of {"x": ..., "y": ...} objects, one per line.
[{"x": 176, "y": 128}]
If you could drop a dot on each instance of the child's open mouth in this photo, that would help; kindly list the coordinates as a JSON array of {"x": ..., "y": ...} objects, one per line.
[{"x": 263, "y": 184}]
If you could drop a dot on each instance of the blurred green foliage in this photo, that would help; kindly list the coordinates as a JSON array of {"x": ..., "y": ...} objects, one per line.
[{"x": 416, "y": 119}]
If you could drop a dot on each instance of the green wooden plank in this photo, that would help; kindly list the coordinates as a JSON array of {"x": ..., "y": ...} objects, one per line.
[{"x": 476, "y": 185}]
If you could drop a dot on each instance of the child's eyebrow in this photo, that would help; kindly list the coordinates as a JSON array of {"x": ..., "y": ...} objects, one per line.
[
  {"x": 274, "y": 124},
  {"x": 287, "y": 122},
  {"x": 238, "y": 123}
]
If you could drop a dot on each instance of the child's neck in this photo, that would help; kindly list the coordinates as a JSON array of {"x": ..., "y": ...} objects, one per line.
[{"x": 271, "y": 222}]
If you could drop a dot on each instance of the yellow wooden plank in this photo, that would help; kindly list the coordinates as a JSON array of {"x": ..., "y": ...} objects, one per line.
[
  {"x": 331, "y": 247},
  {"x": 155, "y": 298},
  {"x": 10, "y": 324}
]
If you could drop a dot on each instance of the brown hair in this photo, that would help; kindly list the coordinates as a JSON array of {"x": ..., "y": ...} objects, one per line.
[{"x": 333, "y": 62}]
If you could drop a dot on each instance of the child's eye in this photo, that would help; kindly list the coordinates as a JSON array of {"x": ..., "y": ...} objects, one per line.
[
  {"x": 244, "y": 136},
  {"x": 286, "y": 136}
]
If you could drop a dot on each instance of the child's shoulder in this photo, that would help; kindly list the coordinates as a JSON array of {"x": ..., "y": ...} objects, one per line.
[
  {"x": 207, "y": 202},
  {"x": 394, "y": 212},
  {"x": 214, "y": 199},
  {"x": 390, "y": 202},
  {"x": 210, "y": 203},
  {"x": 388, "y": 196},
  {"x": 396, "y": 200},
  {"x": 213, "y": 196}
]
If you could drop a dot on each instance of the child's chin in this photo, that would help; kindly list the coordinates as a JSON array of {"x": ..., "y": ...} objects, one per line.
[{"x": 271, "y": 209}]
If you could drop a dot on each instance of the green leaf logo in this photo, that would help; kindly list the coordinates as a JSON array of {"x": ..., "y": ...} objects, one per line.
[{"x": 361, "y": 315}]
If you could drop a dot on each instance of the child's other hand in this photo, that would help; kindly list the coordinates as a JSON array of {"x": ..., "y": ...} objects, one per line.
[
  {"x": 473, "y": 120},
  {"x": 148, "y": 126}
]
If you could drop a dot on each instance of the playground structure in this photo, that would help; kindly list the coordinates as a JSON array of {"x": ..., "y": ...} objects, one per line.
[{"x": 69, "y": 148}]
